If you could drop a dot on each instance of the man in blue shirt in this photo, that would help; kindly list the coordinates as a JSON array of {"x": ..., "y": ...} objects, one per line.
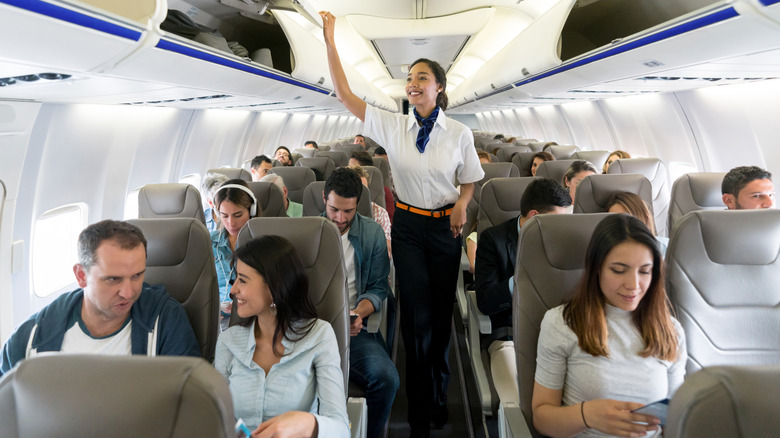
[
  {"x": 113, "y": 312},
  {"x": 367, "y": 265}
]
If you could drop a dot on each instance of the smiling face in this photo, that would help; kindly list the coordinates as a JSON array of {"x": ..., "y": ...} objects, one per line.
[
  {"x": 626, "y": 275},
  {"x": 233, "y": 216},
  {"x": 422, "y": 88},
  {"x": 251, "y": 292}
]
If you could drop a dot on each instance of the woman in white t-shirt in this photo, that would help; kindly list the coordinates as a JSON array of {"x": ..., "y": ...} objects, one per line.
[
  {"x": 615, "y": 346},
  {"x": 434, "y": 166}
]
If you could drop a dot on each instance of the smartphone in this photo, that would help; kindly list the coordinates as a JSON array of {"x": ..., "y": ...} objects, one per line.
[
  {"x": 657, "y": 409},
  {"x": 242, "y": 431},
  {"x": 352, "y": 318}
]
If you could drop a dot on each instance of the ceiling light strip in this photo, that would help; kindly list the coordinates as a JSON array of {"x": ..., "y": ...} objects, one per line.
[{"x": 77, "y": 18}]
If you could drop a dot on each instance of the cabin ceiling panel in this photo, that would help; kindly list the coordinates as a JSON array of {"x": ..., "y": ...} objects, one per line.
[{"x": 414, "y": 9}]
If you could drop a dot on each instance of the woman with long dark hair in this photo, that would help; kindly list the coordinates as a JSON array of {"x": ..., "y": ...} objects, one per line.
[
  {"x": 615, "y": 346},
  {"x": 434, "y": 166},
  {"x": 282, "y": 363}
]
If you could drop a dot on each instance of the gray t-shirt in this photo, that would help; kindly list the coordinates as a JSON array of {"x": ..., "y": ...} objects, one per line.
[{"x": 624, "y": 376}]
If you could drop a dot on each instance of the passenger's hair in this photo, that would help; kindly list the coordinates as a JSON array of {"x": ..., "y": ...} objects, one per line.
[
  {"x": 124, "y": 234},
  {"x": 545, "y": 156},
  {"x": 543, "y": 195},
  {"x": 577, "y": 167},
  {"x": 285, "y": 148},
  {"x": 483, "y": 154},
  {"x": 258, "y": 160},
  {"x": 634, "y": 205},
  {"x": 498, "y": 137},
  {"x": 441, "y": 79},
  {"x": 361, "y": 173},
  {"x": 275, "y": 180},
  {"x": 211, "y": 183},
  {"x": 276, "y": 259},
  {"x": 380, "y": 151},
  {"x": 548, "y": 145},
  {"x": 361, "y": 136},
  {"x": 362, "y": 157},
  {"x": 236, "y": 196},
  {"x": 510, "y": 139},
  {"x": 620, "y": 154},
  {"x": 312, "y": 142},
  {"x": 737, "y": 178},
  {"x": 585, "y": 312},
  {"x": 345, "y": 183}
]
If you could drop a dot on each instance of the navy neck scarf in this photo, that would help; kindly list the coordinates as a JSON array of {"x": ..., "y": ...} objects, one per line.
[{"x": 426, "y": 126}]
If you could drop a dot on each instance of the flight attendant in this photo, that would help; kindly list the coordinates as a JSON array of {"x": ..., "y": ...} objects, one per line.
[{"x": 431, "y": 155}]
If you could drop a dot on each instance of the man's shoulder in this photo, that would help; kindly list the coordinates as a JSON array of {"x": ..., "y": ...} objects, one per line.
[
  {"x": 502, "y": 230},
  {"x": 368, "y": 228},
  {"x": 152, "y": 301}
]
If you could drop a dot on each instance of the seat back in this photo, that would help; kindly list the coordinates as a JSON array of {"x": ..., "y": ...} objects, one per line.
[
  {"x": 505, "y": 154},
  {"x": 384, "y": 167},
  {"x": 233, "y": 173},
  {"x": 695, "y": 191},
  {"x": 554, "y": 169},
  {"x": 598, "y": 158},
  {"x": 314, "y": 205},
  {"x": 722, "y": 275},
  {"x": 594, "y": 191},
  {"x": 170, "y": 200},
  {"x": 550, "y": 262},
  {"x": 562, "y": 152},
  {"x": 494, "y": 170},
  {"x": 655, "y": 171},
  {"x": 270, "y": 197},
  {"x": 306, "y": 152},
  {"x": 376, "y": 186},
  {"x": 726, "y": 402},
  {"x": 323, "y": 166},
  {"x": 295, "y": 179},
  {"x": 179, "y": 256},
  {"x": 340, "y": 159},
  {"x": 348, "y": 148},
  {"x": 318, "y": 243},
  {"x": 72, "y": 395},
  {"x": 523, "y": 161},
  {"x": 537, "y": 146},
  {"x": 500, "y": 200}
]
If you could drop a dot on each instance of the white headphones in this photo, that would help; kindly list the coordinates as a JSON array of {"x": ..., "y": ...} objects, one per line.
[{"x": 253, "y": 208}]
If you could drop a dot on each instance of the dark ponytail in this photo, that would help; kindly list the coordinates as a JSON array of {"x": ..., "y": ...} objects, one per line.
[{"x": 441, "y": 79}]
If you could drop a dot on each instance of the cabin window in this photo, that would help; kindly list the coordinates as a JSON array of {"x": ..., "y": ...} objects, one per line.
[
  {"x": 192, "y": 179},
  {"x": 678, "y": 169},
  {"x": 131, "y": 204},
  {"x": 55, "y": 236}
]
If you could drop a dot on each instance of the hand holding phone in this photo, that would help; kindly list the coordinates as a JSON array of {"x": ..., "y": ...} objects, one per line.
[{"x": 657, "y": 409}]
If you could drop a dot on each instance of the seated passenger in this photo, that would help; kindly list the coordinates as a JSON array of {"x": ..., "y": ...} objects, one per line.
[
  {"x": 260, "y": 167},
  {"x": 631, "y": 203},
  {"x": 113, "y": 312},
  {"x": 539, "y": 158},
  {"x": 614, "y": 156},
  {"x": 304, "y": 394},
  {"x": 367, "y": 264},
  {"x": 283, "y": 156},
  {"x": 574, "y": 175},
  {"x": 210, "y": 184},
  {"x": 293, "y": 209},
  {"x": 379, "y": 214},
  {"x": 614, "y": 346},
  {"x": 362, "y": 158},
  {"x": 311, "y": 144},
  {"x": 382, "y": 153},
  {"x": 494, "y": 279},
  {"x": 484, "y": 157},
  {"x": 236, "y": 204},
  {"x": 748, "y": 188},
  {"x": 359, "y": 139}
]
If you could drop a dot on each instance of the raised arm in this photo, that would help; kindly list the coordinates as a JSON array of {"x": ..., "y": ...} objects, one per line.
[{"x": 354, "y": 104}]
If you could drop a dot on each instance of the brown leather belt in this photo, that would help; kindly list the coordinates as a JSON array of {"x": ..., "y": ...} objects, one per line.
[{"x": 422, "y": 211}]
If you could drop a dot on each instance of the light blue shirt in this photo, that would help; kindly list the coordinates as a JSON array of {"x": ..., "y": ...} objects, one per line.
[
  {"x": 223, "y": 255},
  {"x": 211, "y": 224},
  {"x": 308, "y": 378}
]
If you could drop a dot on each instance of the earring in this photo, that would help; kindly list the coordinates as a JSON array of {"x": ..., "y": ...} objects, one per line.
[{"x": 273, "y": 309}]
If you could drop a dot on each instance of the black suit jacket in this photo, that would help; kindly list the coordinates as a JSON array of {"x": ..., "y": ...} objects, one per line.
[{"x": 495, "y": 264}]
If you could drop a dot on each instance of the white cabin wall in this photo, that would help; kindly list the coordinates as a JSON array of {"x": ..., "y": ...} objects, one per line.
[
  {"x": 554, "y": 125},
  {"x": 588, "y": 127}
]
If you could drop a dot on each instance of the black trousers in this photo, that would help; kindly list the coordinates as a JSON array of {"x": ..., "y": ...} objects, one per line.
[{"x": 427, "y": 260}]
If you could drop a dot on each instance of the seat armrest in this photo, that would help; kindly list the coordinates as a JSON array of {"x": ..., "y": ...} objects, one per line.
[
  {"x": 357, "y": 412},
  {"x": 511, "y": 423},
  {"x": 485, "y": 327}
]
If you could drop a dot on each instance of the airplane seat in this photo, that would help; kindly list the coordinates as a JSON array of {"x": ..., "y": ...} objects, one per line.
[
  {"x": 597, "y": 158},
  {"x": 500, "y": 200},
  {"x": 506, "y": 154},
  {"x": 70, "y": 395},
  {"x": 170, "y": 200},
  {"x": 493, "y": 158},
  {"x": 270, "y": 197},
  {"x": 654, "y": 170},
  {"x": 550, "y": 262},
  {"x": 348, "y": 148},
  {"x": 233, "y": 173},
  {"x": 382, "y": 164},
  {"x": 722, "y": 275},
  {"x": 294, "y": 156},
  {"x": 306, "y": 152},
  {"x": 295, "y": 179},
  {"x": 562, "y": 152},
  {"x": 594, "y": 191},
  {"x": 494, "y": 170},
  {"x": 322, "y": 166},
  {"x": 538, "y": 146},
  {"x": 340, "y": 159},
  {"x": 695, "y": 191},
  {"x": 179, "y": 256},
  {"x": 324, "y": 148},
  {"x": 726, "y": 401},
  {"x": 524, "y": 142},
  {"x": 376, "y": 186},
  {"x": 314, "y": 205},
  {"x": 554, "y": 169},
  {"x": 523, "y": 161}
]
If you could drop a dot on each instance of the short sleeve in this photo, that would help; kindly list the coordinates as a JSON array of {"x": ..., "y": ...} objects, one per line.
[
  {"x": 380, "y": 126},
  {"x": 553, "y": 350}
]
